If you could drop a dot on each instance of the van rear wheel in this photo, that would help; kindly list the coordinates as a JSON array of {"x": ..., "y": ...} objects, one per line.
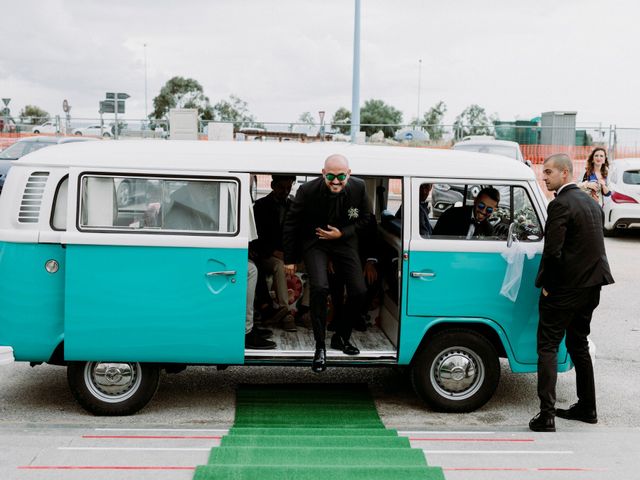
[
  {"x": 456, "y": 371},
  {"x": 113, "y": 388}
]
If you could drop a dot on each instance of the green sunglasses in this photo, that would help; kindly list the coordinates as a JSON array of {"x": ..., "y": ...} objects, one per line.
[{"x": 331, "y": 176}]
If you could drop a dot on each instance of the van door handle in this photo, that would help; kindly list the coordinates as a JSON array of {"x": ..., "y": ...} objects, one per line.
[
  {"x": 221, "y": 272},
  {"x": 422, "y": 274}
]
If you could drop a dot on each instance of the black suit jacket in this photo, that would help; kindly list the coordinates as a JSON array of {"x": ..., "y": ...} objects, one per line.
[
  {"x": 574, "y": 254},
  {"x": 310, "y": 210},
  {"x": 456, "y": 220},
  {"x": 268, "y": 224}
]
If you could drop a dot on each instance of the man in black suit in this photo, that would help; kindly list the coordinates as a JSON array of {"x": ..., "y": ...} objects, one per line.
[
  {"x": 470, "y": 221},
  {"x": 573, "y": 268},
  {"x": 270, "y": 212},
  {"x": 322, "y": 224}
]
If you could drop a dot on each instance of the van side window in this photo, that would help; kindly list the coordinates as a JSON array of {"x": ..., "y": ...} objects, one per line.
[
  {"x": 453, "y": 208},
  {"x": 150, "y": 204}
]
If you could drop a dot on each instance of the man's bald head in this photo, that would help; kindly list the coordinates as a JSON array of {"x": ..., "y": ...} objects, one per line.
[{"x": 336, "y": 172}]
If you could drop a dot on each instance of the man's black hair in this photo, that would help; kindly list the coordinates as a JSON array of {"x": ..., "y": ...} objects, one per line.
[{"x": 490, "y": 192}]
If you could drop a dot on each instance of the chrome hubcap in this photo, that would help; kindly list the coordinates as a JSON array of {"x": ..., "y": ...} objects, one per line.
[
  {"x": 112, "y": 382},
  {"x": 457, "y": 373}
]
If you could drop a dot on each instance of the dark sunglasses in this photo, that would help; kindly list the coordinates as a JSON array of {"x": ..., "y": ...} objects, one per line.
[
  {"x": 482, "y": 206},
  {"x": 340, "y": 176}
]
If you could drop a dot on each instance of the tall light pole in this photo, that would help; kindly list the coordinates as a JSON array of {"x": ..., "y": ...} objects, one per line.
[
  {"x": 419, "y": 78},
  {"x": 145, "y": 82},
  {"x": 355, "y": 91},
  {"x": 321, "y": 115}
]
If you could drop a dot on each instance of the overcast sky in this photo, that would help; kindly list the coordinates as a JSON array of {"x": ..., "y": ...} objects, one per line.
[{"x": 514, "y": 58}]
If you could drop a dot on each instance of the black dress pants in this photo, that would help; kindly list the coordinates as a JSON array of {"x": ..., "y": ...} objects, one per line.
[
  {"x": 347, "y": 265},
  {"x": 566, "y": 311}
]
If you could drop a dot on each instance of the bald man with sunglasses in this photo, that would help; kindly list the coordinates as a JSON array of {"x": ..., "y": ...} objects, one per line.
[
  {"x": 322, "y": 225},
  {"x": 470, "y": 221}
]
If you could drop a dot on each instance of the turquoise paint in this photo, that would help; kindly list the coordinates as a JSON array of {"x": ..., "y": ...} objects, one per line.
[
  {"x": 155, "y": 304},
  {"x": 32, "y": 310},
  {"x": 466, "y": 288}
]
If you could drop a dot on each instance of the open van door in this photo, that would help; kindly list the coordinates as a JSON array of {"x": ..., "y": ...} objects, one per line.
[{"x": 162, "y": 278}]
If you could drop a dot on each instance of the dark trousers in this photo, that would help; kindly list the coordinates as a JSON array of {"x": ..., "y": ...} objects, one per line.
[
  {"x": 347, "y": 265},
  {"x": 566, "y": 311}
]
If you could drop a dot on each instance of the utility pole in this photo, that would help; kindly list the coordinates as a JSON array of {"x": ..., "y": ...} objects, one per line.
[
  {"x": 419, "y": 78},
  {"x": 355, "y": 91},
  {"x": 145, "y": 82}
]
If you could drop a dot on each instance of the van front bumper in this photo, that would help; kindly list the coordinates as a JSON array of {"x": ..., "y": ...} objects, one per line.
[{"x": 6, "y": 355}]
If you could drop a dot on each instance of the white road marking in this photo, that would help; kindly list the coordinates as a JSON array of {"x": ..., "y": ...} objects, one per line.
[{"x": 499, "y": 452}]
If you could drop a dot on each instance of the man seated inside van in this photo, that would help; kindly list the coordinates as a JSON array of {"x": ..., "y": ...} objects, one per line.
[{"x": 470, "y": 221}]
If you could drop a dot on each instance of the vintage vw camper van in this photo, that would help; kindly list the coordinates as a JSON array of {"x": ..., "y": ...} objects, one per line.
[{"x": 113, "y": 288}]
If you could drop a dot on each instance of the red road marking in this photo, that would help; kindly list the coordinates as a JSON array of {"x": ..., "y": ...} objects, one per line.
[
  {"x": 96, "y": 467},
  {"x": 170, "y": 437},
  {"x": 508, "y": 469},
  {"x": 511, "y": 440}
]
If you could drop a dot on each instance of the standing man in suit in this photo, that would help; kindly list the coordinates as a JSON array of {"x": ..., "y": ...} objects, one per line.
[
  {"x": 322, "y": 224},
  {"x": 573, "y": 268},
  {"x": 470, "y": 221}
]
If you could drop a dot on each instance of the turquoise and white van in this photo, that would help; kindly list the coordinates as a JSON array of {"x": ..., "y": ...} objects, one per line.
[{"x": 117, "y": 288}]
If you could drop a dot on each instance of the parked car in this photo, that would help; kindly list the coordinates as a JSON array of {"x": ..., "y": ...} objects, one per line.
[
  {"x": 411, "y": 135},
  {"x": 488, "y": 144},
  {"x": 28, "y": 145},
  {"x": 46, "y": 127},
  {"x": 622, "y": 209},
  {"x": 93, "y": 130}
]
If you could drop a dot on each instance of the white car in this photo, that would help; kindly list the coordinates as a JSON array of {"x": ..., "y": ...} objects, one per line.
[
  {"x": 488, "y": 144},
  {"x": 93, "y": 130},
  {"x": 622, "y": 208},
  {"x": 46, "y": 127}
]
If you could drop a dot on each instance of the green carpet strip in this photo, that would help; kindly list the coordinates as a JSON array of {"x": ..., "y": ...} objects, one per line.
[{"x": 308, "y": 432}]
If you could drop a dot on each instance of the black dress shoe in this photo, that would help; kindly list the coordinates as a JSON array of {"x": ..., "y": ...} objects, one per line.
[
  {"x": 319, "y": 360},
  {"x": 254, "y": 341},
  {"x": 576, "y": 412},
  {"x": 543, "y": 422},
  {"x": 262, "y": 332},
  {"x": 347, "y": 348}
]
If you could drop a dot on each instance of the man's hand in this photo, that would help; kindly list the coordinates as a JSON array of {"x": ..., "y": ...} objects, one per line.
[
  {"x": 331, "y": 233},
  {"x": 290, "y": 269}
]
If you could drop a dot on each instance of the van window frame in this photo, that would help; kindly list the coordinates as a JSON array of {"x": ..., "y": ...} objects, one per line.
[{"x": 159, "y": 176}]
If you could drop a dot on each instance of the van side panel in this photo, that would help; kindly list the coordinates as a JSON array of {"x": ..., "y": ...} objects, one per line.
[
  {"x": 155, "y": 304},
  {"x": 466, "y": 285},
  {"x": 32, "y": 308}
]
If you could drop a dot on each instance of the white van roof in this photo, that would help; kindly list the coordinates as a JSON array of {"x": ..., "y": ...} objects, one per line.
[{"x": 276, "y": 157}]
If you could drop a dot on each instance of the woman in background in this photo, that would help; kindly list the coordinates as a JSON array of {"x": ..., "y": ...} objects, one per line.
[{"x": 594, "y": 181}]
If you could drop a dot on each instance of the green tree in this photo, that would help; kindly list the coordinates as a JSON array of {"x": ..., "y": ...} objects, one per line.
[
  {"x": 34, "y": 115},
  {"x": 379, "y": 113},
  {"x": 472, "y": 121},
  {"x": 306, "y": 118},
  {"x": 341, "y": 120},
  {"x": 432, "y": 121},
  {"x": 234, "y": 110},
  {"x": 181, "y": 92}
]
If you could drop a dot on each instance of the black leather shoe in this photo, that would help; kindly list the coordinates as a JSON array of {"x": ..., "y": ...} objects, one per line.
[
  {"x": 254, "y": 341},
  {"x": 543, "y": 422},
  {"x": 347, "y": 348},
  {"x": 319, "y": 360},
  {"x": 262, "y": 332},
  {"x": 576, "y": 412}
]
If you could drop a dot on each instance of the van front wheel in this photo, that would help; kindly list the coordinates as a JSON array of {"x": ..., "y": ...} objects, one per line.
[
  {"x": 112, "y": 388},
  {"x": 456, "y": 371}
]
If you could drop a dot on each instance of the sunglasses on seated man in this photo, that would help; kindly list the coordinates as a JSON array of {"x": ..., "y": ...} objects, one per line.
[
  {"x": 332, "y": 176},
  {"x": 482, "y": 206}
]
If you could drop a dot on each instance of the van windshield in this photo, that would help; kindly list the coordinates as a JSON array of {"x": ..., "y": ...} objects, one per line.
[{"x": 19, "y": 149}]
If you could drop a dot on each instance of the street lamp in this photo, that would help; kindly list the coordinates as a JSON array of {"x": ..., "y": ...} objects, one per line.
[{"x": 321, "y": 115}]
